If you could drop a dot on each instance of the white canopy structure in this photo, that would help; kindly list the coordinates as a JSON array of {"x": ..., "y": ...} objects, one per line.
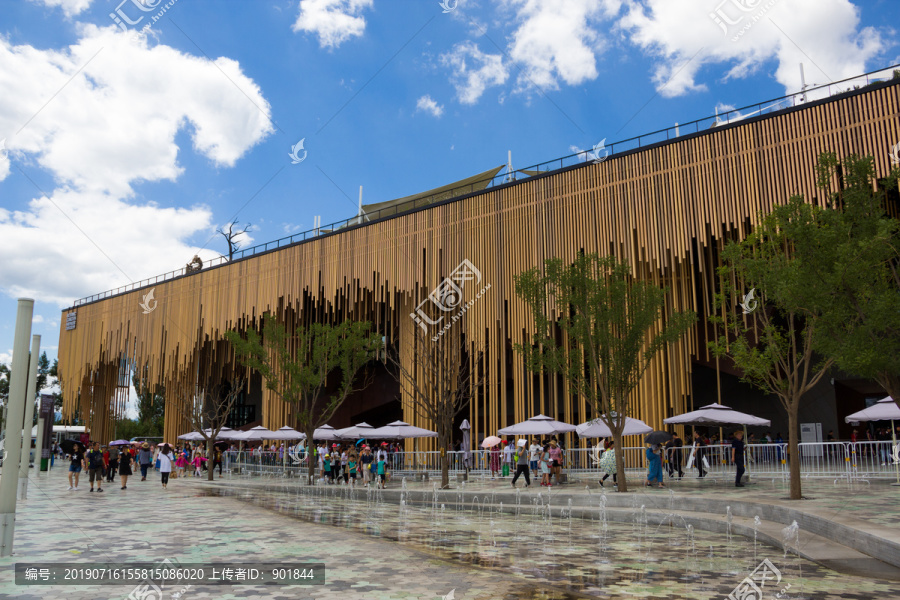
[
  {"x": 716, "y": 414},
  {"x": 883, "y": 410},
  {"x": 252, "y": 435},
  {"x": 326, "y": 433},
  {"x": 537, "y": 425},
  {"x": 286, "y": 433},
  {"x": 399, "y": 430},
  {"x": 354, "y": 433},
  {"x": 598, "y": 429}
]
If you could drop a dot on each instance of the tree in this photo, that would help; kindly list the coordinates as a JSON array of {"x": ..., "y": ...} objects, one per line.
[
  {"x": 440, "y": 381},
  {"x": 774, "y": 345},
  {"x": 860, "y": 324},
  {"x": 151, "y": 405},
  {"x": 43, "y": 373},
  {"x": 54, "y": 373},
  {"x": 231, "y": 236},
  {"x": 209, "y": 410},
  {"x": 298, "y": 366},
  {"x": 598, "y": 327}
]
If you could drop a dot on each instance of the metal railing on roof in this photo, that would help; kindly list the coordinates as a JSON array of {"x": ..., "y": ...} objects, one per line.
[{"x": 579, "y": 158}]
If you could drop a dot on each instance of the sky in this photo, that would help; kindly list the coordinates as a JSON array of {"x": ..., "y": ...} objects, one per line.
[{"x": 130, "y": 130}]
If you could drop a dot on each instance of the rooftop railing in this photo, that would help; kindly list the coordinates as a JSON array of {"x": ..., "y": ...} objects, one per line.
[{"x": 597, "y": 154}]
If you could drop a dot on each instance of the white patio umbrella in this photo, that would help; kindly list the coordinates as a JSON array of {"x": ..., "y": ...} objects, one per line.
[
  {"x": 883, "y": 410},
  {"x": 354, "y": 433},
  {"x": 326, "y": 433},
  {"x": 399, "y": 430},
  {"x": 716, "y": 414},
  {"x": 251, "y": 435},
  {"x": 598, "y": 429},
  {"x": 537, "y": 425},
  {"x": 466, "y": 442},
  {"x": 286, "y": 433},
  {"x": 191, "y": 437}
]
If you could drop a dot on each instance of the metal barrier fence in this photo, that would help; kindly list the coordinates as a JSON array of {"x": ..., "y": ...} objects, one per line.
[{"x": 827, "y": 460}]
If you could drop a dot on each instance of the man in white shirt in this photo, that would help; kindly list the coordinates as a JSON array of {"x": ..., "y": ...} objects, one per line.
[
  {"x": 508, "y": 458},
  {"x": 534, "y": 454}
]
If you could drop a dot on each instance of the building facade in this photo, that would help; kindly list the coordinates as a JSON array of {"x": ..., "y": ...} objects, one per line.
[{"x": 665, "y": 208}]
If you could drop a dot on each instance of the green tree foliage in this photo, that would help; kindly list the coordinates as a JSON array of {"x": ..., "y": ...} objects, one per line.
[
  {"x": 859, "y": 261},
  {"x": 150, "y": 406},
  {"x": 313, "y": 369},
  {"x": 599, "y": 327},
  {"x": 774, "y": 345}
]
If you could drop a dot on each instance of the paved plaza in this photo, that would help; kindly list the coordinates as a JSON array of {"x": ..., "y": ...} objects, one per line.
[{"x": 376, "y": 546}]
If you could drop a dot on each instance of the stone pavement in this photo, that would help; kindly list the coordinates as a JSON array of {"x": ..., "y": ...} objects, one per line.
[
  {"x": 147, "y": 523},
  {"x": 271, "y": 522}
]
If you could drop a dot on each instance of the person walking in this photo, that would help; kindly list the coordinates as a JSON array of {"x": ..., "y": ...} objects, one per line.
[
  {"x": 544, "y": 460},
  {"x": 145, "y": 459},
  {"x": 521, "y": 463},
  {"x": 534, "y": 452},
  {"x": 367, "y": 462},
  {"x": 673, "y": 455},
  {"x": 382, "y": 468},
  {"x": 699, "y": 444},
  {"x": 113, "y": 467},
  {"x": 495, "y": 462},
  {"x": 181, "y": 462},
  {"x": 556, "y": 458},
  {"x": 165, "y": 465},
  {"x": 654, "y": 465},
  {"x": 76, "y": 466},
  {"x": 608, "y": 463},
  {"x": 352, "y": 461},
  {"x": 125, "y": 460},
  {"x": 217, "y": 459},
  {"x": 507, "y": 458},
  {"x": 737, "y": 457},
  {"x": 94, "y": 461}
]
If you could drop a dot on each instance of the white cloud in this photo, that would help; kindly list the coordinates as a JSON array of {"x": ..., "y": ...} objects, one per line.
[
  {"x": 70, "y": 7},
  {"x": 822, "y": 34},
  {"x": 334, "y": 21},
  {"x": 474, "y": 71},
  {"x": 427, "y": 104},
  {"x": 37, "y": 319},
  {"x": 112, "y": 125},
  {"x": 557, "y": 40}
]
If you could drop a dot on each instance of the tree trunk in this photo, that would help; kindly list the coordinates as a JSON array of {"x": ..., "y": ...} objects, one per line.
[
  {"x": 620, "y": 460},
  {"x": 891, "y": 384},
  {"x": 794, "y": 448},
  {"x": 445, "y": 464},
  {"x": 210, "y": 455},
  {"x": 310, "y": 457}
]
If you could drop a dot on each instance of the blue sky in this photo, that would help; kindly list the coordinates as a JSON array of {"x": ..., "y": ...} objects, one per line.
[{"x": 125, "y": 147}]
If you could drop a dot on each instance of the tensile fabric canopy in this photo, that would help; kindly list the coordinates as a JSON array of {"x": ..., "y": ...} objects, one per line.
[
  {"x": 599, "y": 429},
  {"x": 537, "y": 425},
  {"x": 716, "y": 414},
  {"x": 399, "y": 430}
]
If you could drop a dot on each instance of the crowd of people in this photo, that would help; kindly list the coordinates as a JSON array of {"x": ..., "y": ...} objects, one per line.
[{"x": 103, "y": 463}]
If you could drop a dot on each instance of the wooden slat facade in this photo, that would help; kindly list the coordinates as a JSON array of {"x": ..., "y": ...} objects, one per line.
[{"x": 665, "y": 209}]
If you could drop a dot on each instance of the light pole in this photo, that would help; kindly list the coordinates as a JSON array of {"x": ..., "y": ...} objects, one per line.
[
  {"x": 18, "y": 382},
  {"x": 29, "y": 417}
]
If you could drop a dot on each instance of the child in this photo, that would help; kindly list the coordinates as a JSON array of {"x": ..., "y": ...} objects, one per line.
[
  {"x": 381, "y": 470},
  {"x": 545, "y": 465},
  {"x": 351, "y": 466},
  {"x": 181, "y": 463},
  {"x": 327, "y": 469},
  {"x": 198, "y": 462}
]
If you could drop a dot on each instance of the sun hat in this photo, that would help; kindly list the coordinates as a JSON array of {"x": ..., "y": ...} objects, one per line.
[{"x": 145, "y": 445}]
